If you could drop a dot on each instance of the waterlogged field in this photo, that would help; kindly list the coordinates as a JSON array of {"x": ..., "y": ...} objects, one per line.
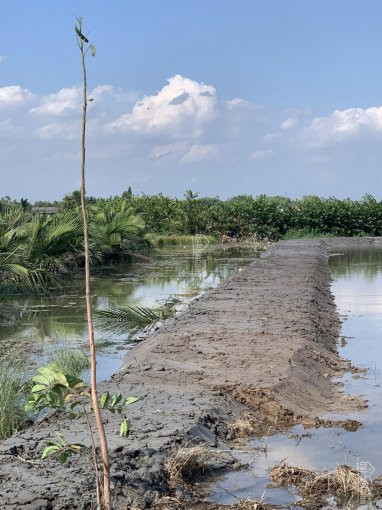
[
  {"x": 35, "y": 328},
  {"x": 357, "y": 288}
]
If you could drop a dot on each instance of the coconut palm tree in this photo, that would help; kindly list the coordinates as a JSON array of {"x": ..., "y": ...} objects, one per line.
[
  {"x": 114, "y": 229},
  {"x": 53, "y": 243}
]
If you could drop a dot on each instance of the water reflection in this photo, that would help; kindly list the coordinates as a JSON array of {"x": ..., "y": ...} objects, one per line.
[
  {"x": 364, "y": 262},
  {"x": 30, "y": 325}
]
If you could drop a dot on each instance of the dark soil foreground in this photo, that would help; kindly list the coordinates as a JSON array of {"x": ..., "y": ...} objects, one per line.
[{"x": 262, "y": 345}]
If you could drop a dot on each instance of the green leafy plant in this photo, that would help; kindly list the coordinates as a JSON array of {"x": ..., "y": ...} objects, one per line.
[{"x": 53, "y": 389}]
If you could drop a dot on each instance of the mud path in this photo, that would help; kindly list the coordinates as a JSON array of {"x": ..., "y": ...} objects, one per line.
[{"x": 262, "y": 344}]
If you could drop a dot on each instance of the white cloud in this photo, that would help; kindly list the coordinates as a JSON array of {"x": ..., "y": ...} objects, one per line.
[
  {"x": 60, "y": 103},
  {"x": 14, "y": 95},
  {"x": 168, "y": 149},
  {"x": 344, "y": 124},
  {"x": 237, "y": 102},
  {"x": 2, "y": 58},
  {"x": 269, "y": 137},
  {"x": 63, "y": 130},
  {"x": 199, "y": 151},
  {"x": 69, "y": 100},
  {"x": 261, "y": 154},
  {"x": 181, "y": 105},
  {"x": 186, "y": 152},
  {"x": 289, "y": 123},
  {"x": 100, "y": 91}
]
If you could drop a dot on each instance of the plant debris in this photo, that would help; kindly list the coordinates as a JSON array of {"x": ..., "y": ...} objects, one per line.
[
  {"x": 344, "y": 483},
  {"x": 187, "y": 464},
  {"x": 169, "y": 503}
]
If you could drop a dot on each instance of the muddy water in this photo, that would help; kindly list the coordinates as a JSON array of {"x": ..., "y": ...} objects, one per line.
[
  {"x": 31, "y": 326},
  {"x": 357, "y": 288}
]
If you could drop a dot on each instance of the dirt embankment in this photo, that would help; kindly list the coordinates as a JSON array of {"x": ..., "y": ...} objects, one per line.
[{"x": 262, "y": 345}]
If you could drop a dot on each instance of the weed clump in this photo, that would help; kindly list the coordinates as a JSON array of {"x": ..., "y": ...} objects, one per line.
[
  {"x": 343, "y": 482},
  {"x": 186, "y": 464}
]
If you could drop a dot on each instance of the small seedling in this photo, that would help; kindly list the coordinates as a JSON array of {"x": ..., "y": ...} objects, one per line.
[{"x": 53, "y": 389}]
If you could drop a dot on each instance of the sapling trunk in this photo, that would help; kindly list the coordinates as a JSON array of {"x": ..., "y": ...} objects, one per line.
[
  {"x": 94, "y": 455},
  {"x": 93, "y": 369}
]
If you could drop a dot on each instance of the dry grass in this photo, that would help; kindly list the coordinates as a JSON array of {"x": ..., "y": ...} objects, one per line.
[
  {"x": 169, "y": 503},
  {"x": 342, "y": 482},
  {"x": 243, "y": 428},
  {"x": 284, "y": 475},
  {"x": 249, "y": 505},
  {"x": 187, "y": 464}
]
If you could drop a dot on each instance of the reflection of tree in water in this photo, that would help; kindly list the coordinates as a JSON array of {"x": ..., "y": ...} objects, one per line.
[
  {"x": 180, "y": 266},
  {"x": 366, "y": 261},
  {"x": 31, "y": 321}
]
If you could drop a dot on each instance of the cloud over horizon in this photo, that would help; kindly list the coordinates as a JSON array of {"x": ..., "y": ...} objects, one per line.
[
  {"x": 179, "y": 136},
  {"x": 346, "y": 124}
]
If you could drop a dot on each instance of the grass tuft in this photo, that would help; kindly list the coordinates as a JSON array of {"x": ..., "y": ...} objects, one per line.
[
  {"x": 12, "y": 399},
  {"x": 70, "y": 361}
]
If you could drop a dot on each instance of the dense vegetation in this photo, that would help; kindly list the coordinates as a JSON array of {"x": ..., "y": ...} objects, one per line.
[
  {"x": 263, "y": 216},
  {"x": 36, "y": 247}
]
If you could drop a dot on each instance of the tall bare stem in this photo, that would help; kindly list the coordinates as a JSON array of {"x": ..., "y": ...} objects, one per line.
[{"x": 81, "y": 39}]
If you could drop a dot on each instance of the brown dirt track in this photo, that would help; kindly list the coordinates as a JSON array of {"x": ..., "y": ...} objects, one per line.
[{"x": 263, "y": 343}]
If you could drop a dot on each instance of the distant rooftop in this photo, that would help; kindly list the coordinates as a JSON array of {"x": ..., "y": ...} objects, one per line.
[{"x": 45, "y": 210}]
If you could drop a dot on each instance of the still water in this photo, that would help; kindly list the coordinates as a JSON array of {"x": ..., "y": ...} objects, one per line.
[
  {"x": 31, "y": 326},
  {"x": 357, "y": 288}
]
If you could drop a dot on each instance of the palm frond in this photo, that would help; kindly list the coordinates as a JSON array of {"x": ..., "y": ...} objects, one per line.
[{"x": 121, "y": 320}]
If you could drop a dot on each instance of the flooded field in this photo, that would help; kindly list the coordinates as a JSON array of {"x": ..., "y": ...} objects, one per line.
[
  {"x": 31, "y": 326},
  {"x": 357, "y": 288}
]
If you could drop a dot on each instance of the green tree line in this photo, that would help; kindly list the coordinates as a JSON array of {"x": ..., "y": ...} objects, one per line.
[
  {"x": 245, "y": 215},
  {"x": 240, "y": 216},
  {"x": 36, "y": 247}
]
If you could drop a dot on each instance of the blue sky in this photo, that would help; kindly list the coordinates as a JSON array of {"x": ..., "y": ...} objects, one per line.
[{"x": 224, "y": 97}]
